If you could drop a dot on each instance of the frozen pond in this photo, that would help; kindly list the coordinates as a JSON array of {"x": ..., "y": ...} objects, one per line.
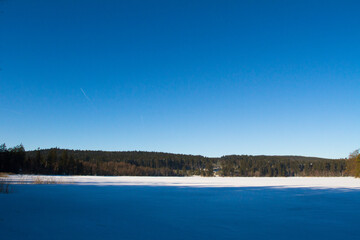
[
  {"x": 178, "y": 212},
  {"x": 279, "y": 182}
]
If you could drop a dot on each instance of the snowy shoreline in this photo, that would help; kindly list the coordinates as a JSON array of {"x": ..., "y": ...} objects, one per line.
[{"x": 280, "y": 182}]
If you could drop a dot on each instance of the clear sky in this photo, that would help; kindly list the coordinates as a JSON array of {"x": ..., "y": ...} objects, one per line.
[{"x": 194, "y": 77}]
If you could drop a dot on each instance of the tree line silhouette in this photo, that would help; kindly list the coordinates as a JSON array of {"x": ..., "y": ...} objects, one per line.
[{"x": 57, "y": 161}]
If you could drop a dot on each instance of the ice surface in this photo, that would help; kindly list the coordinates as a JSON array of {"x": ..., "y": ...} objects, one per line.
[{"x": 183, "y": 208}]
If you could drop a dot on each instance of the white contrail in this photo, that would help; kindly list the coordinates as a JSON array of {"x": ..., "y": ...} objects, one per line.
[{"x": 85, "y": 95}]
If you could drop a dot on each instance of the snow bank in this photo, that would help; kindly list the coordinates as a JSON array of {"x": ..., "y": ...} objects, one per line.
[{"x": 281, "y": 182}]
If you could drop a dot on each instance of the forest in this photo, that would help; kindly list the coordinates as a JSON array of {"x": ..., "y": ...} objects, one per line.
[{"x": 57, "y": 161}]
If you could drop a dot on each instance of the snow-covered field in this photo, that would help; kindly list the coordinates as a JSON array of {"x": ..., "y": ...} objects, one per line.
[
  {"x": 286, "y": 182},
  {"x": 181, "y": 208}
]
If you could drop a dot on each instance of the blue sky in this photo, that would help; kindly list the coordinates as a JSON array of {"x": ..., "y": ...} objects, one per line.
[{"x": 194, "y": 77}]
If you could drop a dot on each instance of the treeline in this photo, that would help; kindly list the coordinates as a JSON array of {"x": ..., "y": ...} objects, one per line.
[
  {"x": 354, "y": 163},
  {"x": 281, "y": 166},
  {"x": 75, "y": 162}
]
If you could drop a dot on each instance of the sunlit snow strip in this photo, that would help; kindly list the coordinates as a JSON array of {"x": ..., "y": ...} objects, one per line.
[{"x": 288, "y": 182}]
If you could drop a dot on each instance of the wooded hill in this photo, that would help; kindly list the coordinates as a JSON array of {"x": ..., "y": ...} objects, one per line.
[{"x": 137, "y": 163}]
